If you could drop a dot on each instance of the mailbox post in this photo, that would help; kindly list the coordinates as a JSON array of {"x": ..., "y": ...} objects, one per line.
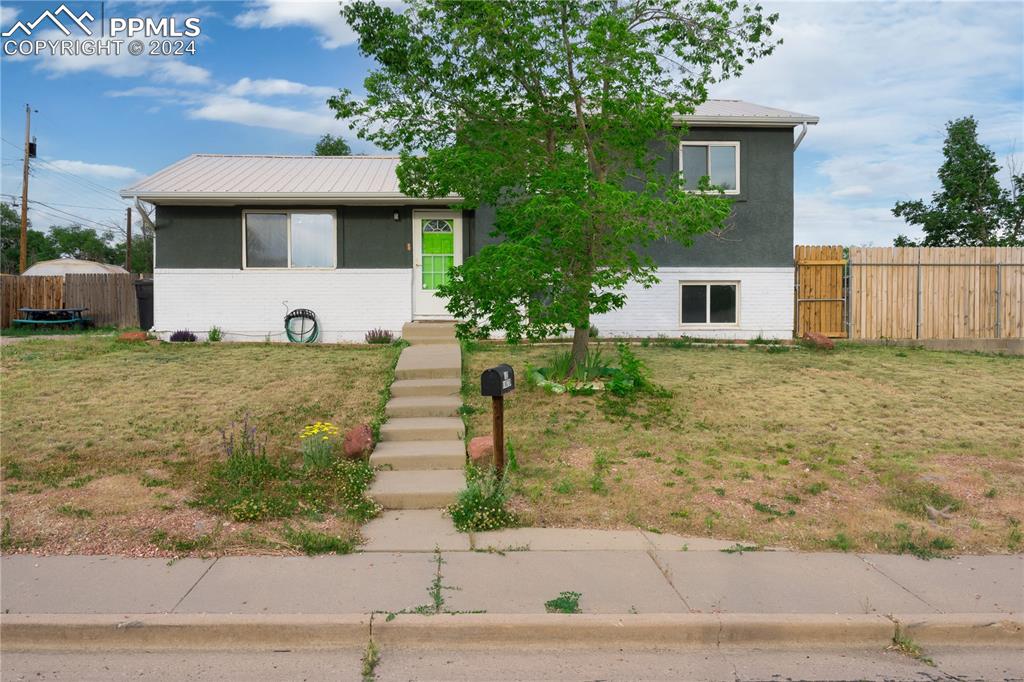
[{"x": 496, "y": 382}]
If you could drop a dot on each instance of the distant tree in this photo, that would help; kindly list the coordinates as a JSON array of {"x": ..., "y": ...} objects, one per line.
[
  {"x": 972, "y": 208},
  {"x": 142, "y": 252},
  {"x": 550, "y": 112},
  {"x": 329, "y": 145},
  {"x": 39, "y": 245},
  {"x": 76, "y": 241}
]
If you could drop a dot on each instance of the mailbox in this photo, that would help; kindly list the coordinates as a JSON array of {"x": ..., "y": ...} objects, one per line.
[{"x": 497, "y": 381}]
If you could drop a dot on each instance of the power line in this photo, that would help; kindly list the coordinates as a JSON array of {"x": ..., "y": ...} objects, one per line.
[
  {"x": 85, "y": 182},
  {"x": 75, "y": 217}
]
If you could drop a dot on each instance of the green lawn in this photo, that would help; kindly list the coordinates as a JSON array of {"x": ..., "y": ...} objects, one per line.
[
  {"x": 803, "y": 449},
  {"x": 104, "y": 443}
]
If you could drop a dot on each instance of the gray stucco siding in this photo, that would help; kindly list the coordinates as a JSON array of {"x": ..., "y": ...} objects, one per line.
[
  {"x": 760, "y": 228},
  {"x": 211, "y": 236},
  {"x": 198, "y": 237}
]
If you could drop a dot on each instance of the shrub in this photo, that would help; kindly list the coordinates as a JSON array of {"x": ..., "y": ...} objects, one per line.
[
  {"x": 215, "y": 334},
  {"x": 382, "y": 336},
  {"x": 481, "y": 506},
  {"x": 594, "y": 331},
  {"x": 183, "y": 335},
  {"x": 632, "y": 376}
]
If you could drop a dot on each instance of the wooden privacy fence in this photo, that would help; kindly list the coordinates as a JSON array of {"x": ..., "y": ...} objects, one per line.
[
  {"x": 820, "y": 295},
  {"x": 110, "y": 299},
  {"x": 910, "y": 293},
  {"x": 936, "y": 293}
]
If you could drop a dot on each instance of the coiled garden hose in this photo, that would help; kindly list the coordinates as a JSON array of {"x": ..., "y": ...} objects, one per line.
[{"x": 300, "y": 326}]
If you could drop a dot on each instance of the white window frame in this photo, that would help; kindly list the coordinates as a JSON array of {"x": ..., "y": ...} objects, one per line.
[
  {"x": 707, "y": 283},
  {"x": 288, "y": 212},
  {"x": 709, "y": 144}
]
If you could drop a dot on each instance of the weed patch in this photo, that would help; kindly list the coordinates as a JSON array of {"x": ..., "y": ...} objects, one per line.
[
  {"x": 482, "y": 504},
  {"x": 313, "y": 542},
  {"x": 902, "y": 643},
  {"x": 914, "y": 497},
  {"x": 73, "y": 512},
  {"x": 178, "y": 544},
  {"x": 565, "y": 602},
  {"x": 905, "y": 541}
]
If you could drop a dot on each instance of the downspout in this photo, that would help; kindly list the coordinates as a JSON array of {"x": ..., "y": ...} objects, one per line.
[{"x": 800, "y": 137}]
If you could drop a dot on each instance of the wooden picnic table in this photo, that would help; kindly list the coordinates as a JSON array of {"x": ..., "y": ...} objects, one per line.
[{"x": 52, "y": 316}]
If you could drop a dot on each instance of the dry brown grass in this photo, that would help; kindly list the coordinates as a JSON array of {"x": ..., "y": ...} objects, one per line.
[
  {"x": 801, "y": 449},
  {"x": 103, "y": 442}
]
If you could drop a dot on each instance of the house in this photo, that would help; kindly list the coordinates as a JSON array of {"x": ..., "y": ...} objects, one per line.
[{"x": 241, "y": 240}]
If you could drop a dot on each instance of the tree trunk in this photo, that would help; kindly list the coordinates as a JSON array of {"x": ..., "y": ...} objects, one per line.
[{"x": 580, "y": 339}]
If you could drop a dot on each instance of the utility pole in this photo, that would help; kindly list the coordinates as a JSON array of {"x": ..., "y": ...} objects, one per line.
[
  {"x": 23, "y": 243},
  {"x": 128, "y": 241}
]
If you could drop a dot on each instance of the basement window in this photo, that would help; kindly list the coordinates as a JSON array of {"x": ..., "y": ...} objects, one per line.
[
  {"x": 708, "y": 303},
  {"x": 289, "y": 239},
  {"x": 719, "y": 162}
]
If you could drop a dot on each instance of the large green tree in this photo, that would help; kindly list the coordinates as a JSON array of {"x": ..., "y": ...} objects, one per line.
[
  {"x": 556, "y": 113},
  {"x": 39, "y": 246},
  {"x": 972, "y": 208}
]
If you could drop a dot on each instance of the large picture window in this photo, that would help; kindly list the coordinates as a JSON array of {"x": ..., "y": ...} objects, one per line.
[
  {"x": 717, "y": 161},
  {"x": 290, "y": 239},
  {"x": 709, "y": 303}
]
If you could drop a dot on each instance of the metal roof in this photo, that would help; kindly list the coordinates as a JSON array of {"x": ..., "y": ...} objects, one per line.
[
  {"x": 284, "y": 177},
  {"x": 738, "y": 112},
  {"x": 359, "y": 179}
]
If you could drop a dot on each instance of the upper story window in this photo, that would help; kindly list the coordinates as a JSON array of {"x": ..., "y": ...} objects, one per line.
[
  {"x": 289, "y": 239},
  {"x": 718, "y": 161}
]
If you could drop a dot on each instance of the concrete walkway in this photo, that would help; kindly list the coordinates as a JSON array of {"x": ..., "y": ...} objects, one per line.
[
  {"x": 517, "y": 582},
  {"x": 421, "y": 445}
]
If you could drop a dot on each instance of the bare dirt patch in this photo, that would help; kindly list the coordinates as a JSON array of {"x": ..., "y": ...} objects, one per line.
[{"x": 811, "y": 450}]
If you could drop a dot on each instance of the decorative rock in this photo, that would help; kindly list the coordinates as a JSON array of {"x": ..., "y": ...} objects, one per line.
[
  {"x": 132, "y": 336},
  {"x": 481, "y": 449},
  {"x": 358, "y": 442},
  {"x": 819, "y": 340}
]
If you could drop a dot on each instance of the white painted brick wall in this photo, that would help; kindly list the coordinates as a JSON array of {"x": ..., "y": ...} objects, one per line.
[
  {"x": 249, "y": 304},
  {"x": 766, "y": 305}
]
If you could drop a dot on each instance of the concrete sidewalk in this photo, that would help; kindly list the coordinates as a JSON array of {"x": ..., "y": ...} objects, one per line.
[{"x": 627, "y": 581}]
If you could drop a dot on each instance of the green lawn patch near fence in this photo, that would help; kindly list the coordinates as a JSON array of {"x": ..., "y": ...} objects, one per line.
[
  {"x": 108, "y": 445},
  {"x": 872, "y": 445}
]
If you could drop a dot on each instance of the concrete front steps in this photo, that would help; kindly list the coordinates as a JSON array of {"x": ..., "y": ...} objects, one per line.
[
  {"x": 426, "y": 333},
  {"x": 421, "y": 444}
]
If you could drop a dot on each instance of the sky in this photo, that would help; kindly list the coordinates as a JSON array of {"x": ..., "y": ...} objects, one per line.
[{"x": 884, "y": 77}]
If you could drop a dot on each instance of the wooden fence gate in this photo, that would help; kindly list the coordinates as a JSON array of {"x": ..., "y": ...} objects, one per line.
[{"x": 820, "y": 291}]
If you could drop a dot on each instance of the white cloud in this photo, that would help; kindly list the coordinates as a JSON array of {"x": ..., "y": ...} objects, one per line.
[
  {"x": 270, "y": 87},
  {"x": 246, "y": 112},
  {"x": 822, "y": 220},
  {"x": 885, "y": 77},
  {"x": 323, "y": 18},
  {"x": 98, "y": 170}
]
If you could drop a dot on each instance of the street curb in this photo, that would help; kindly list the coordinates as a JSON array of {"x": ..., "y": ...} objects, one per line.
[
  {"x": 651, "y": 631},
  {"x": 118, "y": 632},
  {"x": 71, "y": 632},
  {"x": 965, "y": 629}
]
